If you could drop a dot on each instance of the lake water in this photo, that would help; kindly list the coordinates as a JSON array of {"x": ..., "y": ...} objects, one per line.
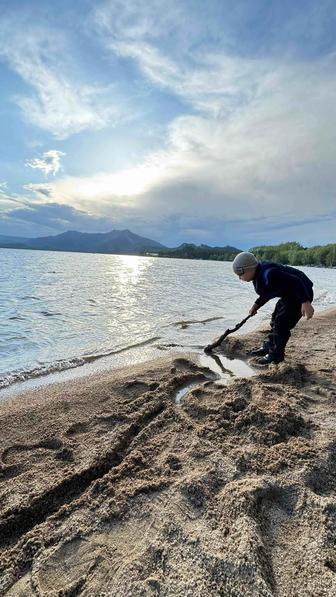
[{"x": 59, "y": 311}]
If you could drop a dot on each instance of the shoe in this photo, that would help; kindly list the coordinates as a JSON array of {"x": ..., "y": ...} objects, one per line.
[
  {"x": 259, "y": 352},
  {"x": 268, "y": 359}
]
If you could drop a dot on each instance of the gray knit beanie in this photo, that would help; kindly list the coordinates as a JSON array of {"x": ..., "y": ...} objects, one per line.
[{"x": 244, "y": 261}]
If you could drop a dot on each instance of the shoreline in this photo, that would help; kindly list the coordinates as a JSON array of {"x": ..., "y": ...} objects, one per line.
[
  {"x": 158, "y": 256},
  {"x": 140, "y": 353},
  {"x": 108, "y": 486}
]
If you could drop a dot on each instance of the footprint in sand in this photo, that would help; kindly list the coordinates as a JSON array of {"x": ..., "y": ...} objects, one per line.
[
  {"x": 135, "y": 388},
  {"x": 18, "y": 457},
  {"x": 102, "y": 423}
]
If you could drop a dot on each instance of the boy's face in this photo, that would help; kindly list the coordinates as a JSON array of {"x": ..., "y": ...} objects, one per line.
[{"x": 248, "y": 275}]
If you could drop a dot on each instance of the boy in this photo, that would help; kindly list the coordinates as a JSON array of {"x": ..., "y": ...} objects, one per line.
[{"x": 272, "y": 280}]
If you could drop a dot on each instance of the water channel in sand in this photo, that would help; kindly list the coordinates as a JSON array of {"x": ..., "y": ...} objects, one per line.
[{"x": 225, "y": 370}]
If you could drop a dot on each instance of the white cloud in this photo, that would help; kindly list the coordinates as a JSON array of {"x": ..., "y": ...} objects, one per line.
[
  {"x": 274, "y": 156},
  {"x": 259, "y": 138},
  {"x": 49, "y": 163},
  {"x": 175, "y": 51},
  {"x": 59, "y": 103},
  {"x": 157, "y": 67},
  {"x": 42, "y": 191},
  {"x": 7, "y": 200},
  {"x": 137, "y": 19},
  {"x": 3, "y": 187}
]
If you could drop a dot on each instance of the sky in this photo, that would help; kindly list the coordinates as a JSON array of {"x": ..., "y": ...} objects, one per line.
[{"x": 181, "y": 120}]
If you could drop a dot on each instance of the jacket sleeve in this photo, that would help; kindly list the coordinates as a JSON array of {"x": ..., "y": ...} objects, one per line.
[
  {"x": 261, "y": 300},
  {"x": 288, "y": 286}
]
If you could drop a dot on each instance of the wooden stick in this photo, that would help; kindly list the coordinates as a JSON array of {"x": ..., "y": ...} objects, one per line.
[{"x": 210, "y": 347}]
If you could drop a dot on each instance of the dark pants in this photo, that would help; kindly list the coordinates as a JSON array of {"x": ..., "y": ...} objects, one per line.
[{"x": 285, "y": 316}]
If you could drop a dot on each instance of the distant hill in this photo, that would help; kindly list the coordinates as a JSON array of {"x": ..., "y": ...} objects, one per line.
[
  {"x": 119, "y": 242},
  {"x": 116, "y": 241},
  {"x": 191, "y": 251}
]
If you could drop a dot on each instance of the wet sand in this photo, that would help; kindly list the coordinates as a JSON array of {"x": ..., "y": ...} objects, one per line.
[{"x": 109, "y": 487}]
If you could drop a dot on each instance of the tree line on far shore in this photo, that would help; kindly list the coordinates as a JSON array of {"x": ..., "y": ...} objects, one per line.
[
  {"x": 291, "y": 253},
  {"x": 191, "y": 251},
  {"x": 295, "y": 254}
]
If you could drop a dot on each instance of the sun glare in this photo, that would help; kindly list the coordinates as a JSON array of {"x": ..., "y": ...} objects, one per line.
[
  {"x": 133, "y": 181},
  {"x": 131, "y": 268}
]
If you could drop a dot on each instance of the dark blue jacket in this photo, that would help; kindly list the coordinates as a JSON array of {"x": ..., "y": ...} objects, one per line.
[{"x": 276, "y": 280}]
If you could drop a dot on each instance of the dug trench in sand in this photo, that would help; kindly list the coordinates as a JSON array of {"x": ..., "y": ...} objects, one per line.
[{"x": 108, "y": 487}]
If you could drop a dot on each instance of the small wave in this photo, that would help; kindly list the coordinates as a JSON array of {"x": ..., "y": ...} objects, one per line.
[
  {"x": 91, "y": 358},
  {"x": 168, "y": 346},
  {"x": 49, "y": 313},
  {"x": 324, "y": 299},
  {"x": 63, "y": 365},
  {"x": 186, "y": 323},
  {"x": 17, "y": 376}
]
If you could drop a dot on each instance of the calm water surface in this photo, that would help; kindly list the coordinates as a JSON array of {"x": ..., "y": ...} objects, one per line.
[{"x": 62, "y": 310}]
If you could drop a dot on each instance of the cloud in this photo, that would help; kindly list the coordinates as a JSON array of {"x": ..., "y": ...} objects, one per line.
[
  {"x": 60, "y": 102},
  {"x": 57, "y": 218},
  {"x": 50, "y": 163},
  {"x": 39, "y": 190},
  {"x": 256, "y": 136},
  {"x": 141, "y": 32},
  {"x": 7, "y": 199},
  {"x": 197, "y": 52},
  {"x": 3, "y": 187},
  {"x": 275, "y": 155},
  {"x": 194, "y": 58}
]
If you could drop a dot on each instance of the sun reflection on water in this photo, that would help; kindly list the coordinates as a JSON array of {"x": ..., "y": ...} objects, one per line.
[{"x": 131, "y": 269}]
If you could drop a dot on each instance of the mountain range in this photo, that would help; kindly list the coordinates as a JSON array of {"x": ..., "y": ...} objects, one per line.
[
  {"x": 115, "y": 241},
  {"x": 119, "y": 242}
]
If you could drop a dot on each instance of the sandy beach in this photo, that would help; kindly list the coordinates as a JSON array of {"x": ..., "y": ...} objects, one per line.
[{"x": 109, "y": 487}]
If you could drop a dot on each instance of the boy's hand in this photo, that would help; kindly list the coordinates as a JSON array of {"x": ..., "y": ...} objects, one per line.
[
  {"x": 307, "y": 310},
  {"x": 253, "y": 309}
]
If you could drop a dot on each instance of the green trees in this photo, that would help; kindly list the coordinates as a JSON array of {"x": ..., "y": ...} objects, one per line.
[
  {"x": 295, "y": 254},
  {"x": 191, "y": 251},
  {"x": 291, "y": 253}
]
